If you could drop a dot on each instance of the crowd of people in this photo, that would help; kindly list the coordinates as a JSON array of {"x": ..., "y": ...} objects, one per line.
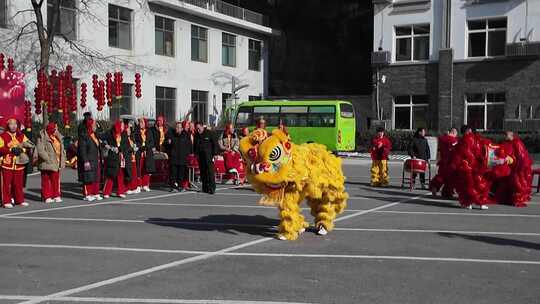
[
  {"x": 120, "y": 160},
  {"x": 480, "y": 171}
]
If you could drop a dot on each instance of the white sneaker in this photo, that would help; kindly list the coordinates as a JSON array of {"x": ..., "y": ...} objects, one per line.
[
  {"x": 468, "y": 207},
  {"x": 122, "y": 196},
  {"x": 58, "y": 199},
  {"x": 322, "y": 230},
  {"x": 106, "y": 196},
  {"x": 49, "y": 201},
  {"x": 483, "y": 207},
  {"x": 281, "y": 237},
  {"x": 90, "y": 198},
  {"x": 98, "y": 197},
  {"x": 138, "y": 190},
  {"x": 24, "y": 204},
  {"x": 146, "y": 189},
  {"x": 8, "y": 206},
  {"x": 129, "y": 192}
]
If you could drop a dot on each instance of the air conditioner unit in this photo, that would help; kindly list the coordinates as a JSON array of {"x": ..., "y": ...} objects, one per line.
[
  {"x": 381, "y": 58},
  {"x": 523, "y": 49}
]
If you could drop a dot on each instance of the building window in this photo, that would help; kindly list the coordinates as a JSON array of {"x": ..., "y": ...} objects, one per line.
[
  {"x": 3, "y": 13},
  {"x": 66, "y": 22},
  {"x": 253, "y": 97},
  {"x": 487, "y": 38},
  {"x": 226, "y": 98},
  {"x": 122, "y": 106},
  {"x": 228, "y": 49},
  {"x": 199, "y": 43},
  {"x": 412, "y": 42},
  {"x": 119, "y": 27},
  {"x": 254, "y": 55},
  {"x": 199, "y": 105},
  {"x": 166, "y": 103},
  {"x": 410, "y": 112},
  {"x": 485, "y": 111},
  {"x": 164, "y": 36}
]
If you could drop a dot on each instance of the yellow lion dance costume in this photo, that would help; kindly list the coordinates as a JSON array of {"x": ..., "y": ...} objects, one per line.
[{"x": 286, "y": 174}]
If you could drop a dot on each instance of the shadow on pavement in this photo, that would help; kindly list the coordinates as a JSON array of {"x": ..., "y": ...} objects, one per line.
[
  {"x": 226, "y": 223},
  {"x": 493, "y": 240}
]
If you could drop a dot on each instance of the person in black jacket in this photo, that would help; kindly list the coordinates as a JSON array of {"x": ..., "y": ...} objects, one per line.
[
  {"x": 205, "y": 147},
  {"x": 419, "y": 148},
  {"x": 146, "y": 164},
  {"x": 89, "y": 157},
  {"x": 116, "y": 146},
  {"x": 179, "y": 147}
]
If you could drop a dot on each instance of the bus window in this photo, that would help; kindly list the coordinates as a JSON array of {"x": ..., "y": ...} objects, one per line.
[
  {"x": 244, "y": 117},
  {"x": 294, "y": 116},
  {"x": 270, "y": 115},
  {"x": 322, "y": 116},
  {"x": 347, "y": 110}
]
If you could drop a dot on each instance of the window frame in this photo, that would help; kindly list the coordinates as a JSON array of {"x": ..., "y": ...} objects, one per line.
[
  {"x": 118, "y": 20},
  {"x": 164, "y": 98},
  {"x": 199, "y": 38},
  {"x": 163, "y": 29},
  {"x": 253, "y": 50},
  {"x": 485, "y": 103},
  {"x": 199, "y": 102},
  {"x": 74, "y": 18},
  {"x": 412, "y": 37},
  {"x": 228, "y": 46},
  {"x": 486, "y": 30},
  {"x": 410, "y": 106}
]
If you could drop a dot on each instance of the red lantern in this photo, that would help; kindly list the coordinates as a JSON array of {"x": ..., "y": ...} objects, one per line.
[
  {"x": 73, "y": 99},
  {"x": 38, "y": 99},
  {"x": 118, "y": 80},
  {"x": 95, "y": 86},
  {"x": 138, "y": 91},
  {"x": 60, "y": 102},
  {"x": 83, "y": 95},
  {"x": 109, "y": 88},
  {"x": 50, "y": 98},
  {"x": 11, "y": 67},
  {"x": 101, "y": 95},
  {"x": 54, "y": 81}
]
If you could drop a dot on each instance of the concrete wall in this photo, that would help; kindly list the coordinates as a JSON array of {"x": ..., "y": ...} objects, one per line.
[{"x": 178, "y": 72}]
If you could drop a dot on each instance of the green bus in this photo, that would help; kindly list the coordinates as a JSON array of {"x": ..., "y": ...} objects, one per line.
[{"x": 328, "y": 122}]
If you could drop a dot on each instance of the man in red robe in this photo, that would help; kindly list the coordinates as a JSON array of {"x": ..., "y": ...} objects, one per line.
[{"x": 444, "y": 178}]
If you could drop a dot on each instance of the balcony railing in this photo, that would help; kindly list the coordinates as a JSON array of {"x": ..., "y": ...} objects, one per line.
[{"x": 230, "y": 10}]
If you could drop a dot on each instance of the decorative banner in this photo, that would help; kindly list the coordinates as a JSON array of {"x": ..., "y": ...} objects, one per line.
[{"x": 12, "y": 90}]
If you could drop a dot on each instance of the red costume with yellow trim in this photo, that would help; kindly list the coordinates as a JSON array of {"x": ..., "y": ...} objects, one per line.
[{"x": 12, "y": 149}]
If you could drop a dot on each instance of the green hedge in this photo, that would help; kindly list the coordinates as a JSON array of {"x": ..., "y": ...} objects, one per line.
[{"x": 400, "y": 139}]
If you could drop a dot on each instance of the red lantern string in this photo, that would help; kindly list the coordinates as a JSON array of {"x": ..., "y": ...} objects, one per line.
[
  {"x": 73, "y": 99},
  {"x": 138, "y": 91},
  {"x": 11, "y": 67},
  {"x": 109, "y": 84},
  {"x": 54, "y": 100},
  {"x": 28, "y": 115},
  {"x": 83, "y": 95},
  {"x": 2, "y": 67},
  {"x": 38, "y": 99},
  {"x": 101, "y": 95},
  {"x": 61, "y": 102},
  {"x": 95, "y": 86},
  {"x": 118, "y": 80}
]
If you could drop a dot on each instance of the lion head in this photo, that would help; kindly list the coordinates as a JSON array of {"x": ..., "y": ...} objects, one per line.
[{"x": 268, "y": 159}]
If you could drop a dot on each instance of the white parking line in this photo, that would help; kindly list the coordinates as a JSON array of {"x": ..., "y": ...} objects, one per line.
[
  {"x": 284, "y": 255},
  {"x": 439, "y": 231},
  {"x": 135, "y": 300}
]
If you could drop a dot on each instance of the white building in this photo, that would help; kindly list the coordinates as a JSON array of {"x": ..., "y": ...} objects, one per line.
[
  {"x": 188, "y": 52},
  {"x": 440, "y": 63}
]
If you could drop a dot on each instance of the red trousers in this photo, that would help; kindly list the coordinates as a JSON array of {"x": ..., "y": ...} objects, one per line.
[
  {"x": 110, "y": 181},
  {"x": 12, "y": 186},
  {"x": 134, "y": 182},
  {"x": 93, "y": 188},
  {"x": 50, "y": 184},
  {"x": 144, "y": 179}
]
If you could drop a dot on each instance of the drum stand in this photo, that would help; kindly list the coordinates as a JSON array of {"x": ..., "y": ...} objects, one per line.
[{"x": 192, "y": 184}]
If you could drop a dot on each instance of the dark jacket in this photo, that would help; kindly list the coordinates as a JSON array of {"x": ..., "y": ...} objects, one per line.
[
  {"x": 88, "y": 151},
  {"x": 146, "y": 147},
  {"x": 155, "y": 135},
  {"x": 112, "y": 159},
  {"x": 419, "y": 148},
  {"x": 205, "y": 145},
  {"x": 179, "y": 148}
]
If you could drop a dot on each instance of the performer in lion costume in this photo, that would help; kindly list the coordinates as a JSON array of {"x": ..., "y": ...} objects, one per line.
[{"x": 286, "y": 174}]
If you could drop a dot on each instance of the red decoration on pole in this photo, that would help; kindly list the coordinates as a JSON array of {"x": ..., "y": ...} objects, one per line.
[
  {"x": 61, "y": 102},
  {"x": 83, "y": 95},
  {"x": 73, "y": 99},
  {"x": 138, "y": 91},
  {"x": 54, "y": 100},
  {"x": 28, "y": 115},
  {"x": 95, "y": 86},
  {"x": 109, "y": 89}
]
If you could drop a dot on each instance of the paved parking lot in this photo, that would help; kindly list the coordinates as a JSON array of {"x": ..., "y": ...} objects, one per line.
[{"x": 390, "y": 246}]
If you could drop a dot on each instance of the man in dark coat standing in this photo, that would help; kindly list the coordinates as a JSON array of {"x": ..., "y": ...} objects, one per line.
[
  {"x": 179, "y": 147},
  {"x": 206, "y": 148},
  {"x": 419, "y": 148}
]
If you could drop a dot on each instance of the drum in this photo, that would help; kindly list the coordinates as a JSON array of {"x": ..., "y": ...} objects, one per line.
[{"x": 415, "y": 165}]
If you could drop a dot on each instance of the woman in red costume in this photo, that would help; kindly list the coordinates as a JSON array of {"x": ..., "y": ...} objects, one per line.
[
  {"x": 515, "y": 188},
  {"x": 470, "y": 166},
  {"x": 444, "y": 178},
  {"x": 13, "y": 145}
]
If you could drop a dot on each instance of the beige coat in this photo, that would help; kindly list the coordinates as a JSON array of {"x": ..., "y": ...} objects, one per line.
[{"x": 47, "y": 160}]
